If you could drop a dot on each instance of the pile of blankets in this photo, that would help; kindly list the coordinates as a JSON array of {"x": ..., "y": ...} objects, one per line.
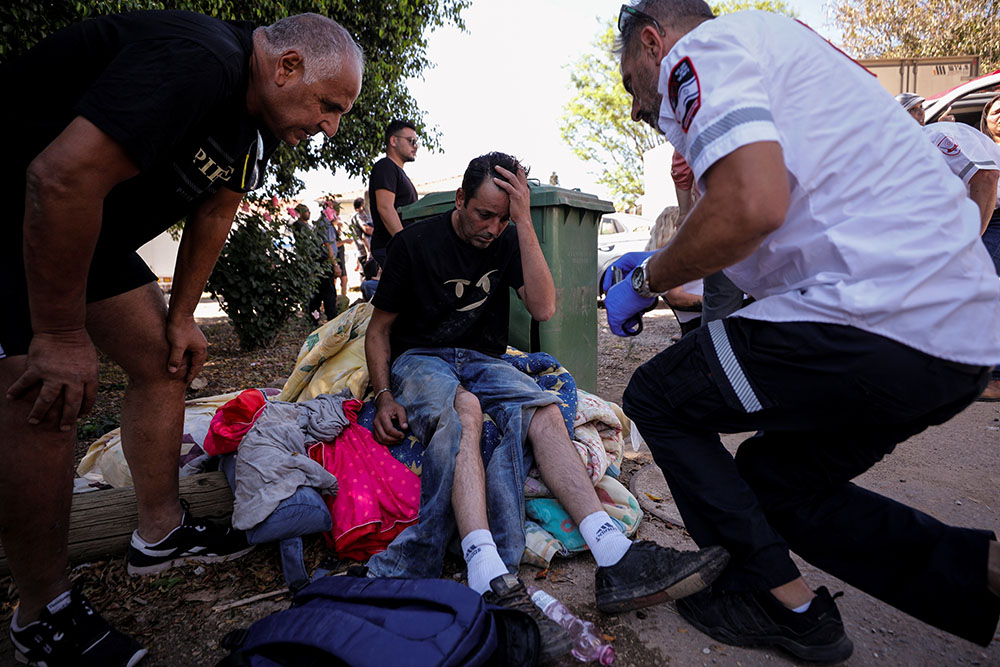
[{"x": 316, "y": 430}]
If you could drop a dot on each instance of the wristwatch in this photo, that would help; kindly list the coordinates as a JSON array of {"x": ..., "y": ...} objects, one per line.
[{"x": 640, "y": 281}]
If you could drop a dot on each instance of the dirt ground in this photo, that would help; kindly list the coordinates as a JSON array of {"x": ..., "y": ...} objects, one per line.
[{"x": 949, "y": 471}]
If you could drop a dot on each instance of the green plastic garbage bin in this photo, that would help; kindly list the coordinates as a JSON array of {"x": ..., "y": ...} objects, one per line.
[{"x": 566, "y": 223}]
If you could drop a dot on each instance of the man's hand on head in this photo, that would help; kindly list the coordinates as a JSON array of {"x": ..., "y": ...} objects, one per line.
[
  {"x": 516, "y": 187},
  {"x": 390, "y": 420}
]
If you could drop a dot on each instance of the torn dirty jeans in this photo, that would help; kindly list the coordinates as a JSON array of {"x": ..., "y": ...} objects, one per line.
[{"x": 424, "y": 381}]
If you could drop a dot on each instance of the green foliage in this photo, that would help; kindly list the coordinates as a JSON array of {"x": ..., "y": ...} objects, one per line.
[
  {"x": 597, "y": 126},
  {"x": 775, "y": 6},
  {"x": 920, "y": 28},
  {"x": 264, "y": 274},
  {"x": 391, "y": 32},
  {"x": 596, "y": 123}
]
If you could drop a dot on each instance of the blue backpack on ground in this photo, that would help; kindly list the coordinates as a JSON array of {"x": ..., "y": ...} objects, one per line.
[{"x": 401, "y": 622}]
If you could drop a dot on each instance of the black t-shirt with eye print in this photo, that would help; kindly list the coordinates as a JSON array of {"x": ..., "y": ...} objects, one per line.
[{"x": 447, "y": 292}]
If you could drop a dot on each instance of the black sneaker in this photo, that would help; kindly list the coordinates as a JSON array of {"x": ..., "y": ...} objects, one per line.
[
  {"x": 509, "y": 591},
  {"x": 195, "y": 540},
  {"x": 758, "y": 619},
  {"x": 70, "y": 632},
  {"x": 649, "y": 574}
]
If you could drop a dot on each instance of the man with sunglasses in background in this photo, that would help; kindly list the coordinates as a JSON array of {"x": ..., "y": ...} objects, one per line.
[
  {"x": 389, "y": 188},
  {"x": 862, "y": 251},
  {"x": 137, "y": 121}
]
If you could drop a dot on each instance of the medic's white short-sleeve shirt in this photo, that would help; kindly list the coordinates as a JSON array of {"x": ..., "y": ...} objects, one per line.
[
  {"x": 965, "y": 150},
  {"x": 879, "y": 233}
]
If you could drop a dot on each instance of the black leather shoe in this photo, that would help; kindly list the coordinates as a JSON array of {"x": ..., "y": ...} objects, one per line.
[{"x": 649, "y": 574}]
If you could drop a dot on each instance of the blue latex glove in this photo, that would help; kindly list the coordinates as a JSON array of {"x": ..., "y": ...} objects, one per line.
[
  {"x": 621, "y": 269},
  {"x": 625, "y": 308}
]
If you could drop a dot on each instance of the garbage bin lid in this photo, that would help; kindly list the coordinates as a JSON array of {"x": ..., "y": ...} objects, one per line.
[{"x": 541, "y": 196}]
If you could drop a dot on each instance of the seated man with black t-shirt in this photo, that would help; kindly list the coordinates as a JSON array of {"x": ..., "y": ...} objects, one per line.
[
  {"x": 440, "y": 322},
  {"x": 173, "y": 114},
  {"x": 389, "y": 188}
]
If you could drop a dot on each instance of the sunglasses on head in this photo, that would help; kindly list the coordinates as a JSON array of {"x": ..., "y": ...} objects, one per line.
[{"x": 629, "y": 13}]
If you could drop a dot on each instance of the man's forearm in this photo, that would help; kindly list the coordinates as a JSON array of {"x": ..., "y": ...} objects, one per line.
[
  {"x": 391, "y": 220},
  {"x": 983, "y": 191},
  {"x": 539, "y": 290},
  {"x": 204, "y": 235},
  {"x": 377, "y": 352}
]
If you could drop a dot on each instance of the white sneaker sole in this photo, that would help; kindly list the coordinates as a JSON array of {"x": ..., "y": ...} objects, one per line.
[{"x": 137, "y": 571}]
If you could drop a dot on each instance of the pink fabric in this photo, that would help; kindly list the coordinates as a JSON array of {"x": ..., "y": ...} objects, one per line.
[
  {"x": 683, "y": 176},
  {"x": 377, "y": 496},
  {"x": 232, "y": 421}
]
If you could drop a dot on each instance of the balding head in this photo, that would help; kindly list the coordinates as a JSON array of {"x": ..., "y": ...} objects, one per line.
[
  {"x": 325, "y": 46},
  {"x": 306, "y": 73}
]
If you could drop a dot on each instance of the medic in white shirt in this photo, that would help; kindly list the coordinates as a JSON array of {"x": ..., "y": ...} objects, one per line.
[{"x": 823, "y": 202}]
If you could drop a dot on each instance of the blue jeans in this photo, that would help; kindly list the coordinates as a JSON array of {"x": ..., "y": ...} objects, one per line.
[
  {"x": 991, "y": 239},
  {"x": 424, "y": 381}
]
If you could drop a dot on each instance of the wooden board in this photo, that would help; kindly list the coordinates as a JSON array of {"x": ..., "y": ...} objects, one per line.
[{"x": 101, "y": 522}]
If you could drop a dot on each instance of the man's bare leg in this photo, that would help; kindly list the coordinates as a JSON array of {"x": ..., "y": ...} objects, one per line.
[
  {"x": 468, "y": 498},
  {"x": 560, "y": 465},
  {"x": 468, "y": 491},
  {"x": 131, "y": 329},
  {"x": 36, "y": 485}
]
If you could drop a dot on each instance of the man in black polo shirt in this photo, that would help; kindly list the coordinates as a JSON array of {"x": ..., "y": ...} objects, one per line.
[
  {"x": 389, "y": 188},
  {"x": 136, "y": 121}
]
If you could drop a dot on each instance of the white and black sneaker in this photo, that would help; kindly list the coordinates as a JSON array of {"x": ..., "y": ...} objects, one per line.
[
  {"x": 194, "y": 541},
  {"x": 70, "y": 632}
]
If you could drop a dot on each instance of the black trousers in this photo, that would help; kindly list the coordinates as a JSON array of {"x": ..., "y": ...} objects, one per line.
[
  {"x": 827, "y": 402},
  {"x": 326, "y": 293}
]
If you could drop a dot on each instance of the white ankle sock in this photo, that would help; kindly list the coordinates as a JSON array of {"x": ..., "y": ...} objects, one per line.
[
  {"x": 139, "y": 541},
  {"x": 804, "y": 608},
  {"x": 482, "y": 559},
  {"x": 606, "y": 540}
]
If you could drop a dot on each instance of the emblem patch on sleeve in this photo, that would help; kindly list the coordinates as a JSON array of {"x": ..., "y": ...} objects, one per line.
[
  {"x": 684, "y": 91},
  {"x": 948, "y": 147}
]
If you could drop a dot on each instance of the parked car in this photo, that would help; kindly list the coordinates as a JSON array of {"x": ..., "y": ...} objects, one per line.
[
  {"x": 966, "y": 101},
  {"x": 618, "y": 234}
]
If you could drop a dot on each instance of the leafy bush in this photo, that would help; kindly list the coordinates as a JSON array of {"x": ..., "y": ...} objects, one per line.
[{"x": 264, "y": 273}]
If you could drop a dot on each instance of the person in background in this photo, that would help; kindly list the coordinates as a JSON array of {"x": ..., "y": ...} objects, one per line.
[
  {"x": 912, "y": 104},
  {"x": 389, "y": 188},
  {"x": 717, "y": 296},
  {"x": 975, "y": 158},
  {"x": 989, "y": 123},
  {"x": 320, "y": 240}
]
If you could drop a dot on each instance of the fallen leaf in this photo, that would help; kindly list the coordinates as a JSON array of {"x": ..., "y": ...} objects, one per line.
[{"x": 652, "y": 497}]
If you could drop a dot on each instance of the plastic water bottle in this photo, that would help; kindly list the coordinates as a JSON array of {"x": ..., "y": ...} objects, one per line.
[{"x": 588, "y": 646}]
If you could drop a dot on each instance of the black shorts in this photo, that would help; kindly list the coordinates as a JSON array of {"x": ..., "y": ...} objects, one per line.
[{"x": 111, "y": 273}]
